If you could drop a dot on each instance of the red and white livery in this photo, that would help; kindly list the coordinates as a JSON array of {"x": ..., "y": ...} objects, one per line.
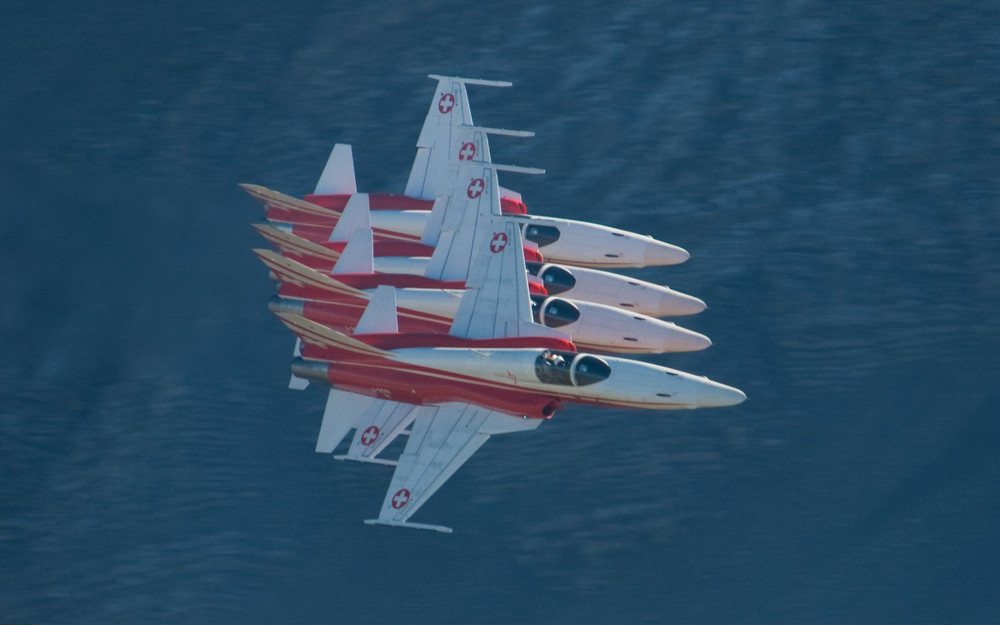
[
  {"x": 495, "y": 372},
  {"x": 578, "y": 283}
]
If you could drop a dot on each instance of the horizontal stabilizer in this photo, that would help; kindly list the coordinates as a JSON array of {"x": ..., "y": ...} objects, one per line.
[
  {"x": 290, "y": 243},
  {"x": 276, "y": 199},
  {"x": 338, "y": 175},
  {"x": 412, "y": 526},
  {"x": 293, "y": 272}
]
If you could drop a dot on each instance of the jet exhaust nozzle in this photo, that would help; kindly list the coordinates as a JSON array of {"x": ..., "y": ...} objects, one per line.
[
  {"x": 310, "y": 370},
  {"x": 280, "y": 304}
]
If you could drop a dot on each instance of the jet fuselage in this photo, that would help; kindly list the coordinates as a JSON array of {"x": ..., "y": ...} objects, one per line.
[
  {"x": 559, "y": 240},
  {"x": 529, "y": 381}
]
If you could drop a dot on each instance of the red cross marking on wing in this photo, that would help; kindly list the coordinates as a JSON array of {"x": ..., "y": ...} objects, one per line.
[
  {"x": 446, "y": 103},
  {"x": 468, "y": 152},
  {"x": 369, "y": 436},
  {"x": 400, "y": 498},
  {"x": 499, "y": 242},
  {"x": 475, "y": 188}
]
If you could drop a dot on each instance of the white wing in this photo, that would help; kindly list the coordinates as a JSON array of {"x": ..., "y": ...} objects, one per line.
[
  {"x": 448, "y": 111},
  {"x": 472, "y": 210},
  {"x": 442, "y": 439},
  {"x": 374, "y": 431},
  {"x": 377, "y": 422},
  {"x": 496, "y": 302},
  {"x": 472, "y": 205},
  {"x": 448, "y": 136}
]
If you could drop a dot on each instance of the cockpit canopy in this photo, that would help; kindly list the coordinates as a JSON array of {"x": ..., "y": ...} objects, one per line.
[
  {"x": 570, "y": 369},
  {"x": 541, "y": 235},
  {"x": 553, "y": 312},
  {"x": 556, "y": 279}
]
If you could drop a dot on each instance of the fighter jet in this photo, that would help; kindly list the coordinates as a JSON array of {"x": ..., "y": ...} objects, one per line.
[
  {"x": 429, "y": 302},
  {"x": 495, "y": 372},
  {"x": 448, "y": 134}
]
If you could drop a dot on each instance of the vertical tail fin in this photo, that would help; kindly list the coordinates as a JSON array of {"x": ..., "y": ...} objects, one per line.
[
  {"x": 358, "y": 256},
  {"x": 356, "y": 216},
  {"x": 338, "y": 175},
  {"x": 380, "y": 315}
]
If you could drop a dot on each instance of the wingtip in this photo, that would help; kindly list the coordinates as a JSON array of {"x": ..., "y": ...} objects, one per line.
[{"x": 415, "y": 526}]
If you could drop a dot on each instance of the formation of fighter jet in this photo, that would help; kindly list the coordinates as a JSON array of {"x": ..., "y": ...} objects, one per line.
[{"x": 448, "y": 314}]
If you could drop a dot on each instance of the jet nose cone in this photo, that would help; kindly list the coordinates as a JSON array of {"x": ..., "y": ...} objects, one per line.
[
  {"x": 717, "y": 395},
  {"x": 679, "y": 339},
  {"x": 675, "y": 304},
  {"x": 660, "y": 253}
]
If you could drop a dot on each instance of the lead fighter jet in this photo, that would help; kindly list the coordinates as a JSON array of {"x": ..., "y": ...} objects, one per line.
[{"x": 495, "y": 372}]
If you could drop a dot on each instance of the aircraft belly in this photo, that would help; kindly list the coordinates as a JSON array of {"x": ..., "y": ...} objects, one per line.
[{"x": 424, "y": 386}]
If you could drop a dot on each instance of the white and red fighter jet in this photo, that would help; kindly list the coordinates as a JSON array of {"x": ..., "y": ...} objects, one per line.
[{"x": 495, "y": 372}]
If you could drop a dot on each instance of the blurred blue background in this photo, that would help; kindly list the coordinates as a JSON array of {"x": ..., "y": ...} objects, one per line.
[{"x": 832, "y": 168}]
